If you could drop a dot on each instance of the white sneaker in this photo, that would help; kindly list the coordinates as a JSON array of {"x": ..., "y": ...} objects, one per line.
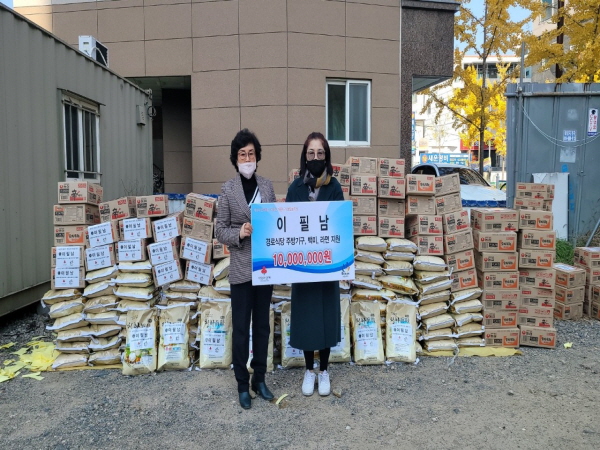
[
  {"x": 308, "y": 385},
  {"x": 324, "y": 384}
]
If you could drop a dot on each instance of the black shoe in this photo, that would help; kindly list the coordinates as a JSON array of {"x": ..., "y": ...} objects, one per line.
[
  {"x": 245, "y": 400},
  {"x": 262, "y": 390}
]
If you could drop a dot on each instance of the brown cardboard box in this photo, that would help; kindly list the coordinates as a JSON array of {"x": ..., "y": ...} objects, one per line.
[
  {"x": 587, "y": 256},
  {"x": 568, "y": 312},
  {"x": 392, "y": 187},
  {"x": 167, "y": 228},
  {"x": 502, "y": 318},
  {"x": 220, "y": 250},
  {"x": 70, "y": 235},
  {"x": 293, "y": 174},
  {"x": 364, "y": 165},
  {"x": 496, "y": 262},
  {"x": 76, "y": 214},
  {"x": 507, "y": 337},
  {"x": 420, "y": 184},
  {"x": 536, "y": 259},
  {"x": 342, "y": 172},
  {"x": 363, "y": 185},
  {"x": 102, "y": 234},
  {"x": 447, "y": 184},
  {"x": 569, "y": 276},
  {"x": 152, "y": 206},
  {"x": 346, "y": 192},
  {"x": 121, "y": 208},
  {"x": 461, "y": 260},
  {"x": 391, "y": 227},
  {"x": 592, "y": 276},
  {"x": 132, "y": 251},
  {"x": 390, "y": 208},
  {"x": 364, "y": 206},
  {"x": 594, "y": 311},
  {"x": 456, "y": 221},
  {"x": 197, "y": 228},
  {"x": 536, "y": 311},
  {"x": 536, "y": 297},
  {"x": 458, "y": 242},
  {"x": 199, "y": 272},
  {"x": 538, "y": 337},
  {"x": 537, "y": 239},
  {"x": 504, "y": 241},
  {"x": 195, "y": 250},
  {"x": 534, "y": 321},
  {"x": 498, "y": 300},
  {"x": 133, "y": 229},
  {"x": 465, "y": 279},
  {"x": 68, "y": 256},
  {"x": 494, "y": 219},
  {"x": 162, "y": 252},
  {"x": 569, "y": 296},
  {"x": 200, "y": 206},
  {"x": 418, "y": 204},
  {"x": 540, "y": 278},
  {"x": 535, "y": 191},
  {"x": 391, "y": 167},
  {"x": 446, "y": 204},
  {"x": 593, "y": 293},
  {"x": 364, "y": 225},
  {"x": 533, "y": 204},
  {"x": 424, "y": 225},
  {"x": 536, "y": 220},
  {"x": 429, "y": 245},
  {"x": 494, "y": 281},
  {"x": 167, "y": 273},
  {"x": 69, "y": 278},
  {"x": 79, "y": 192},
  {"x": 100, "y": 257}
]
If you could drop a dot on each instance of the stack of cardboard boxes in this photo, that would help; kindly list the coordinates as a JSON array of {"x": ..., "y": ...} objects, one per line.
[
  {"x": 588, "y": 259},
  {"x": 570, "y": 292}
]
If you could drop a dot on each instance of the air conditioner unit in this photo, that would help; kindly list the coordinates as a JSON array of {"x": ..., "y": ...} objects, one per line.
[{"x": 94, "y": 49}]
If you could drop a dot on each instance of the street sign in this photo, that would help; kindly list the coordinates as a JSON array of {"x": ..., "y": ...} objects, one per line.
[{"x": 444, "y": 158}]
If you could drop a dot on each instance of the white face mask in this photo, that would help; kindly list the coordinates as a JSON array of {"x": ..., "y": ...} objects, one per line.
[{"x": 247, "y": 169}]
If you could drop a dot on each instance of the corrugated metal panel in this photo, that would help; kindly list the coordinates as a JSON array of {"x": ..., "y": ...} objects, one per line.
[{"x": 34, "y": 67}]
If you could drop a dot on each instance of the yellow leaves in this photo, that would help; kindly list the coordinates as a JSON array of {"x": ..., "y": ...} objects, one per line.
[
  {"x": 36, "y": 356},
  {"x": 6, "y": 346}
]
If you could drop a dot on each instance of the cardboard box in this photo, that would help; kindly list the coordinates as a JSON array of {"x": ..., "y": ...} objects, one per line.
[
  {"x": 587, "y": 256},
  {"x": 70, "y": 235},
  {"x": 132, "y": 251},
  {"x": 537, "y": 239},
  {"x": 458, "y": 242},
  {"x": 496, "y": 262},
  {"x": 536, "y": 297},
  {"x": 121, "y": 208},
  {"x": 363, "y": 165},
  {"x": 536, "y": 311},
  {"x": 461, "y": 260},
  {"x": 538, "y": 337},
  {"x": 364, "y": 225},
  {"x": 447, "y": 184},
  {"x": 102, "y": 234},
  {"x": 152, "y": 206},
  {"x": 569, "y": 296},
  {"x": 495, "y": 281},
  {"x": 79, "y": 192},
  {"x": 535, "y": 191},
  {"x": 494, "y": 219},
  {"x": 197, "y": 228},
  {"x": 429, "y": 245},
  {"x": 420, "y": 184},
  {"x": 76, "y": 214},
  {"x": 200, "y": 206},
  {"x": 418, "y": 204},
  {"x": 504, "y": 241},
  {"x": 196, "y": 250},
  {"x": 536, "y": 259},
  {"x": 390, "y": 187},
  {"x": 498, "y": 300},
  {"x": 508, "y": 337},
  {"x": 391, "y": 208},
  {"x": 167, "y": 273},
  {"x": 220, "y": 250},
  {"x": 363, "y": 185},
  {"x": 594, "y": 310},
  {"x": 592, "y": 276},
  {"x": 342, "y": 172},
  {"x": 391, "y": 227},
  {"x": 346, "y": 192},
  {"x": 593, "y": 293},
  {"x": 364, "y": 206},
  {"x": 465, "y": 279},
  {"x": 68, "y": 278},
  {"x": 569, "y": 276},
  {"x": 456, "y": 221},
  {"x": 293, "y": 174},
  {"x": 199, "y": 272},
  {"x": 162, "y": 252},
  {"x": 502, "y": 318},
  {"x": 167, "y": 228},
  {"x": 540, "y": 278},
  {"x": 535, "y": 321},
  {"x": 68, "y": 257},
  {"x": 133, "y": 229},
  {"x": 536, "y": 220},
  {"x": 100, "y": 257},
  {"x": 424, "y": 225},
  {"x": 448, "y": 203},
  {"x": 572, "y": 311},
  {"x": 387, "y": 167},
  {"x": 532, "y": 204}
]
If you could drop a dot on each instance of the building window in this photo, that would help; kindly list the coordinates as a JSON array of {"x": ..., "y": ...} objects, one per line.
[
  {"x": 82, "y": 150},
  {"x": 348, "y": 112},
  {"x": 549, "y": 6}
]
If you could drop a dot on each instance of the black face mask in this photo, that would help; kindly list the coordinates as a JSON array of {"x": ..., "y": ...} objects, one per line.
[{"x": 316, "y": 167}]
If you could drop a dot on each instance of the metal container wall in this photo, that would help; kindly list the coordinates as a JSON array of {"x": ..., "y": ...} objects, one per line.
[{"x": 547, "y": 131}]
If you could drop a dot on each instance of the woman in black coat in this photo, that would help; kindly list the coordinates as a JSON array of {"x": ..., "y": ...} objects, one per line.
[{"x": 315, "y": 319}]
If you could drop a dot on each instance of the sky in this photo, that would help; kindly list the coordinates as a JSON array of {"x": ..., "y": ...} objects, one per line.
[{"x": 7, "y": 2}]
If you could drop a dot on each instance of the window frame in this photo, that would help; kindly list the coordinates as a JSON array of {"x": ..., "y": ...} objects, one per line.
[{"x": 347, "y": 83}]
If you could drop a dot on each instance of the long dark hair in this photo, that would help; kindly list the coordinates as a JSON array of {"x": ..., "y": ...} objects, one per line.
[{"x": 312, "y": 136}]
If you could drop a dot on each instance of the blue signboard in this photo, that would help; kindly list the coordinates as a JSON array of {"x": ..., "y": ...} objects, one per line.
[{"x": 444, "y": 158}]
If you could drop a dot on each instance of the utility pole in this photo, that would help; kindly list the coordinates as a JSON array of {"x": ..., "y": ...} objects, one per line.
[{"x": 560, "y": 5}]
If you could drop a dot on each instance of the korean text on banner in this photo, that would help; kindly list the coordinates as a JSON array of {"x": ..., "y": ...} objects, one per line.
[{"x": 302, "y": 242}]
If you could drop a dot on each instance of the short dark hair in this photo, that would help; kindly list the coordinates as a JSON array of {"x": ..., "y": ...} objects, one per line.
[
  {"x": 311, "y": 137},
  {"x": 241, "y": 139}
]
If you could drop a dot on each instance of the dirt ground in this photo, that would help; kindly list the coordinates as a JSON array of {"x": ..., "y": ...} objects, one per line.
[{"x": 544, "y": 399}]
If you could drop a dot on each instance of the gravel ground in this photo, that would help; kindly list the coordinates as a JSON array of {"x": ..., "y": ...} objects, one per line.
[{"x": 545, "y": 399}]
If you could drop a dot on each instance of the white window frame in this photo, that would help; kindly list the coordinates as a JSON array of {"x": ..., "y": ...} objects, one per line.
[
  {"x": 82, "y": 106},
  {"x": 347, "y": 142}
]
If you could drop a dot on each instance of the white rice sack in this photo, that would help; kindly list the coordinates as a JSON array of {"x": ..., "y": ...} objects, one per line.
[
  {"x": 135, "y": 293},
  {"x": 366, "y": 282},
  {"x": 345, "y": 285},
  {"x": 270, "y": 345},
  {"x": 72, "y": 347},
  {"x": 426, "y": 277},
  {"x": 134, "y": 279},
  {"x": 463, "y": 319},
  {"x": 185, "y": 286},
  {"x": 398, "y": 284},
  {"x": 472, "y": 329},
  {"x": 140, "y": 267},
  {"x": 102, "y": 344},
  {"x": 65, "y": 360},
  {"x": 177, "y": 296},
  {"x": 60, "y": 295},
  {"x": 465, "y": 295},
  {"x": 76, "y": 320},
  {"x": 369, "y": 269},
  {"x": 419, "y": 349},
  {"x": 105, "y": 357},
  {"x": 101, "y": 304},
  {"x": 372, "y": 295},
  {"x": 174, "y": 336},
  {"x": 290, "y": 356},
  {"x": 102, "y": 331},
  {"x": 132, "y": 305},
  {"x": 437, "y": 322},
  {"x": 401, "y": 245},
  {"x": 122, "y": 319},
  {"x": 347, "y": 296},
  {"x": 105, "y": 318},
  {"x": 398, "y": 256},
  {"x": 280, "y": 295},
  {"x": 215, "y": 334},
  {"x": 400, "y": 332},
  {"x": 140, "y": 350},
  {"x": 283, "y": 287},
  {"x": 221, "y": 270},
  {"x": 436, "y": 297},
  {"x": 66, "y": 308},
  {"x": 368, "y": 257},
  {"x": 342, "y": 352},
  {"x": 208, "y": 292},
  {"x": 370, "y": 243},
  {"x": 403, "y": 268},
  {"x": 441, "y": 345},
  {"x": 433, "y": 335},
  {"x": 470, "y": 306},
  {"x": 96, "y": 276},
  {"x": 434, "y": 287},
  {"x": 83, "y": 334},
  {"x": 470, "y": 342},
  {"x": 429, "y": 263},
  {"x": 99, "y": 289},
  {"x": 432, "y": 310},
  {"x": 223, "y": 287},
  {"x": 366, "y": 333}
]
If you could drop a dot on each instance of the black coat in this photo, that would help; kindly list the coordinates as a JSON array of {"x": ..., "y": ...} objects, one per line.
[{"x": 315, "y": 319}]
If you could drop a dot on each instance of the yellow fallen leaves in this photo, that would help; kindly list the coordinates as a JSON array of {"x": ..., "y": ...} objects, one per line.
[
  {"x": 37, "y": 356},
  {"x": 568, "y": 344},
  {"x": 5, "y": 346}
]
